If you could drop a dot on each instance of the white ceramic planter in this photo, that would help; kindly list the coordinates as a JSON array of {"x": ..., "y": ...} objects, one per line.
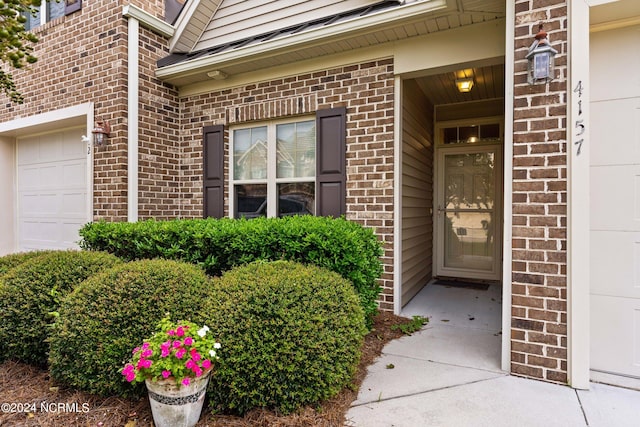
[{"x": 177, "y": 406}]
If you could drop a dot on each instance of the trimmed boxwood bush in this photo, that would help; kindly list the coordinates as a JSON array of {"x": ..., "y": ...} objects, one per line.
[
  {"x": 111, "y": 313},
  {"x": 220, "y": 244},
  {"x": 290, "y": 334},
  {"x": 30, "y": 293},
  {"x": 10, "y": 261}
]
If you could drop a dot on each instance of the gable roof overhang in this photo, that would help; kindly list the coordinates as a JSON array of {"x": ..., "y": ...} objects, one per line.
[{"x": 334, "y": 36}]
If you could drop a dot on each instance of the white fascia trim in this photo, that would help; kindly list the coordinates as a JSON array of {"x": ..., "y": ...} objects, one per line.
[
  {"x": 507, "y": 218},
  {"x": 293, "y": 41},
  {"x": 132, "y": 120},
  {"x": 48, "y": 117},
  {"x": 183, "y": 21},
  {"x": 148, "y": 21}
]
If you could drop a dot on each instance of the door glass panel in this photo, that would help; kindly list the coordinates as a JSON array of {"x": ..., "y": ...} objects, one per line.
[
  {"x": 296, "y": 150},
  {"x": 469, "y": 240},
  {"x": 469, "y": 181},
  {"x": 250, "y": 153}
]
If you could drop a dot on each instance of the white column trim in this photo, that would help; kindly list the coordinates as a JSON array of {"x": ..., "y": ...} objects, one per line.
[
  {"x": 509, "y": 64},
  {"x": 578, "y": 280},
  {"x": 132, "y": 119},
  {"x": 397, "y": 196},
  {"x": 148, "y": 21}
]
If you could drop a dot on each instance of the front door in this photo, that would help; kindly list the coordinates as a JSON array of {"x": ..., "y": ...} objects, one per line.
[{"x": 468, "y": 206}]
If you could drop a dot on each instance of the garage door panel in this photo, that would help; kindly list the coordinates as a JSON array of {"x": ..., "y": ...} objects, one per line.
[
  {"x": 615, "y": 198},
  {"x": 620, "y": 253},
  {"x": 52, "y": 190},
  {"x": 617, "y": 126},
  {"x": 615, "y": 330},
  {"x": 615, "y": 53}
]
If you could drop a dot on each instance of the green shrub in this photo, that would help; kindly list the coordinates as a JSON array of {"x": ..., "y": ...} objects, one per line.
[
  {"x": 10, "y": 261},
  {"x": 111, "y": 313},
  {"x": 290, "y": 334},
  {"x": 31, "y": 292},
  {"x": 220, "y": 244}
]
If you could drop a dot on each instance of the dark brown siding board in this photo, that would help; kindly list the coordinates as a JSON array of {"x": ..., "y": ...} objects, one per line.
[
  {"x": 213, "y": 145},
  {"x": 330, "y": 161}
]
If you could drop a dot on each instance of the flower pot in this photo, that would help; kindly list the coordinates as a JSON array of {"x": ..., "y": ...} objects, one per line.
[{"x": 175, "y": 405}]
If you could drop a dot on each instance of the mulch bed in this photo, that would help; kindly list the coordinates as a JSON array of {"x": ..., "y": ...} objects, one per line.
[{"x": 23, "y": 384}]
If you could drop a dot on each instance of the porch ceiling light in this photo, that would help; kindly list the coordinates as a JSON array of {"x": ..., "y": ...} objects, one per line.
[
  {"x": 540, "y": 59},
  {"x": 101, "y": 132},
  {"x": 464, "y": 85}
]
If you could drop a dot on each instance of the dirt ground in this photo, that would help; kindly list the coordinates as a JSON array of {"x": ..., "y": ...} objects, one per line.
[{"x": 33, "y": 401}]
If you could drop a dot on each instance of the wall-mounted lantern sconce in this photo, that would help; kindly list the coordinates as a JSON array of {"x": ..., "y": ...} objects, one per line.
[
  {"x": 540, "y": 67},
  {"x": 101, "y": 132},
  {"x": 464, "y": 85}
]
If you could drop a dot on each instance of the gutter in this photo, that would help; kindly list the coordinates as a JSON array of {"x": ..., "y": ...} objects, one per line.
[{"x": 298, "y": 41}]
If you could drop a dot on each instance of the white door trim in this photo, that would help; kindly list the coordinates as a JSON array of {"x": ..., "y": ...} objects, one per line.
[
  {"x": 507, "y": 171},
  {"x": 578, "y": 218},
  {"x": 397, "y": 197}
]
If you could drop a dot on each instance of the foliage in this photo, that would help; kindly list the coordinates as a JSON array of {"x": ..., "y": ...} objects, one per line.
[
  {"x": 31, "y": 293},
  {"x": 414, "y": 325},
  {"x": 10, "y": 261},
  {"x": 178, "y": 352},
  {"x": 292, "y": 336},
  {"x": 220, "y": 244},
  {"x": 16, "y": 48},
  {"x": 112, "y": 312}
]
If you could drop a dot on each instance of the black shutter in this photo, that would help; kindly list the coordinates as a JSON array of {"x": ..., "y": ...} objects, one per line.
[
  {"x": 331, "y": 135},
  {"x": 213, "y": 167}
]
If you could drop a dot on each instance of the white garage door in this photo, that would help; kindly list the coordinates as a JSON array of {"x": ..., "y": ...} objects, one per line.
[
  {"x": 52, "y": 189},
  {"x": 615, "y": 201}
]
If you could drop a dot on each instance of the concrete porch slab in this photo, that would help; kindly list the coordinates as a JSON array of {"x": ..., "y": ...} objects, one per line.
[{"x": 606, "y": 406}]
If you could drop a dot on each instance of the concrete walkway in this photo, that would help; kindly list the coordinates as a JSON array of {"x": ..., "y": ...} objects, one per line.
[{"x": 448, "y": 374}]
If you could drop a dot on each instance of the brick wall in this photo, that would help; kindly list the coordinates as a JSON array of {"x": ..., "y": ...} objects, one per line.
[
  {"x": 159, "y": 142},
  {"x": 539, "y": 298},
  {"x": 365, "y": 89}
]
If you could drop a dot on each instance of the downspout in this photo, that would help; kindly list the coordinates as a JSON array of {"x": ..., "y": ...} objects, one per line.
[
  {"x": 136, "y": 16},
  {"x": 133, "y": 97}
]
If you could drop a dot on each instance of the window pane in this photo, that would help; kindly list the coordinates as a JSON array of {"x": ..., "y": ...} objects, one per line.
[
  {"x": 33, "y": 21},
  {"x": 55, "y": 9},
  {"x": 296, "y": 149},
  {"x": 250, "y": 200},
  {"x": 490, "y": 132},
  {"x": 450, "y": 135},
  {"x": 250, "y": 153},
  {"x": 296, "y": 199}
]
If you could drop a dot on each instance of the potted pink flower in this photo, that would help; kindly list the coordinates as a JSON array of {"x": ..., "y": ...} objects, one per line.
[{"x": 175, "y": 363}]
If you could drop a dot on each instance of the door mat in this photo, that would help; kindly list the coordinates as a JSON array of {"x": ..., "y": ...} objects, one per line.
[{"x": 461, "y": 284}]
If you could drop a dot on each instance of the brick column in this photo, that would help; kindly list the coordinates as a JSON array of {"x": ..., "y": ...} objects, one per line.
[{"x": 539, "y": 297}]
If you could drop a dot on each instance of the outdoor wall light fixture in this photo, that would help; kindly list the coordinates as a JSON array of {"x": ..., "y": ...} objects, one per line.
[
  {"x": 540, "y": 59},
  {"x": 101, "y": 132},
  {"x": 464, "y": 85}
]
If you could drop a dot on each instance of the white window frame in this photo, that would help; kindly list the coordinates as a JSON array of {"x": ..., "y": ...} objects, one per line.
[{"x": 271, "y": 181}]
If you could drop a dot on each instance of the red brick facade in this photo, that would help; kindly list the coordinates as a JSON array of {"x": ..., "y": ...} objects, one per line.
[
  {"x": 366, "y": 90},
  {"x": 539, "y": 293}
]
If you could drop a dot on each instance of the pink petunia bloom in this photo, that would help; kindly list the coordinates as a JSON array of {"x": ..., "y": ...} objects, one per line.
[
  {"x": 145, "y": 345},
  {"x": 195, "y": 355},
  {"x": 166, "y": 374},
  {"x": 188, "y": 341},
  {"x": 171, "y": 332},
  {"x": 180, "y": 331},
  {"x": 186, "y": 382},
  {"x": 206, "y": 364},
  {"x": 130, "y": 376},
  {"x": 147, "y": 353},
  {"x": 177, "y": 344},
  {"x": 197, "y": 371},
  {"x": 190, "y": 364},
  {"x": 135, "y": 350},
  {"x": 180, "y": 353},
  {"x": 165, "y": 352}
]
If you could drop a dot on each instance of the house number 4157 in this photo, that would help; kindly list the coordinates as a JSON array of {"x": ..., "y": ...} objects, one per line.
[{"x": 580, "y": 127}]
